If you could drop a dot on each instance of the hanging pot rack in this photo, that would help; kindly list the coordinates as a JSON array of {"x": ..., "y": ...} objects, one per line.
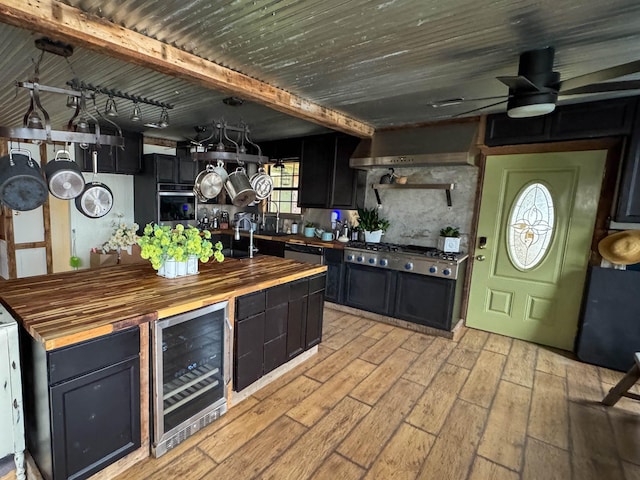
[{"x": 236, "y": 153}]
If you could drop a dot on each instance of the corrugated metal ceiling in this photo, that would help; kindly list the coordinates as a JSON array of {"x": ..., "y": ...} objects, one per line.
[{"x": 380, "y": 61}]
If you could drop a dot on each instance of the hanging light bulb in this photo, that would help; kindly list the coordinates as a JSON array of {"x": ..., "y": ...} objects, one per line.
[
  {"x": 110, "y": 108},
  {"x": 136, "y": 115},
  {"x": 34, "y": 120},
  {"x": 164, "y": 118},
  {"x": 83, "y": 127}
]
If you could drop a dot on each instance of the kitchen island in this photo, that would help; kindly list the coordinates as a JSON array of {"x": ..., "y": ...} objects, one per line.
[{"x": 86, "y": 349}]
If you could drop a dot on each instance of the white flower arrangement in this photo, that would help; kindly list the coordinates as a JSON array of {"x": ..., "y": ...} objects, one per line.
[{"x": 123, "y": 236}]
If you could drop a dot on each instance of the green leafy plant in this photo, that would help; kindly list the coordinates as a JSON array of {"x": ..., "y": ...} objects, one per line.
[
  {"x": 369, "y": 220},
  {"x": 450, "y": 232},
  {"x": 310, "y": 225},
  {"x": 159, "y": 243}
]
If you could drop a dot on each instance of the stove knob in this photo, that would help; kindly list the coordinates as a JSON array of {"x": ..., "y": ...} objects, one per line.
[
  {"x": 360, "y": 259},
  {"x": 350, "y": 258},
  {"x": 408, "y": 266},
  {"x": 384, "y": 262},
  {"x": 446, "y": 271},
  {"x": 372, "y": 261},
  {"x": 433, "y": 269}
]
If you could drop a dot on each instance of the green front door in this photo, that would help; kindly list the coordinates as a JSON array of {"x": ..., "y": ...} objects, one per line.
[{"x": 533, "y": 242}]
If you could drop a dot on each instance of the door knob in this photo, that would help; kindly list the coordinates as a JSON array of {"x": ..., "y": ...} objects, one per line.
[
  {"x": 483, "y": 242},
  {"x": 480, "y": 258}
]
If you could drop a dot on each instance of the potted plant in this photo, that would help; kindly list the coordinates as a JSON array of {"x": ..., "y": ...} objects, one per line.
[
  {"x": 309, "y": 229},
  {"x": 169, "y": 250},
  {"x": 449, "y": 240},
  {"x": 372, "y": 224}
]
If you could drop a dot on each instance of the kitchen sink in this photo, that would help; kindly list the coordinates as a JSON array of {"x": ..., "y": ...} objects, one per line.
[{"x": 233, "y": 253}]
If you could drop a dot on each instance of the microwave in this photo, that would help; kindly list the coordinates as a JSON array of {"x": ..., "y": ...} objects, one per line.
[{"x": 176, "y": 204}]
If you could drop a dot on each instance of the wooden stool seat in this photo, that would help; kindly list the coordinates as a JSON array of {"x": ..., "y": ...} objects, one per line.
[{"x": 623, "y": 386}]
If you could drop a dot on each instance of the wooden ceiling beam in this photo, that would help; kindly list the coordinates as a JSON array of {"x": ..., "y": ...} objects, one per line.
[{"x": 63, "y": 22}]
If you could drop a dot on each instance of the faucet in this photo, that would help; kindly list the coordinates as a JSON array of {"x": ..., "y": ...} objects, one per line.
[
  {"x": 264, "y": 215},
  {"x": 237, "y": 234}
]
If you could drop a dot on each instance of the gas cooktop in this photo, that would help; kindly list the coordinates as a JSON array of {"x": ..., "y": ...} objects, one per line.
[
  {"x": 410, "y": 258},
  {"x": 429, "y": 252}
]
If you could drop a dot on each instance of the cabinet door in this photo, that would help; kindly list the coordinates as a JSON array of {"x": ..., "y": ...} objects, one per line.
[
  {"x": 343, "y": 192},
  {"x": 275, "y": 346},
  {"x": 502, "y": 130},
  {"x": 95, "y": 419},
  {"x": 628, "y": 207},
  {"x": 270, "y": 247},
  {"x": 107, "y": 155},
  {"x": 128, "y": 161},
  {"x": 369, "y": 288},
  {"x": 316, "y": 171},
  {"x": 248, "y": 359},
  {"x": 296, "y": 326},
  {"x": 315, "y": 310},
  {"x": 335, "y": 275},
  {"x": 424, "y": 300},
  {"x": 166, "y": 169},
  {"x": 188, "y": 170},
  {"x": 592, "y": 119}
]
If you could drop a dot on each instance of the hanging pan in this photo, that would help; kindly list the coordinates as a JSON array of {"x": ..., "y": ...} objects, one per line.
[
  {"x": 96, "y": 200},
  {"x": 262, "y": 183},
  {"x": 22, "y": 187},
  {"x": 64, "y": 177}
]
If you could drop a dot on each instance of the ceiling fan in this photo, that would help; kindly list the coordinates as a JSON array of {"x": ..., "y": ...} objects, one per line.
[{"x": 535, "y": 90}]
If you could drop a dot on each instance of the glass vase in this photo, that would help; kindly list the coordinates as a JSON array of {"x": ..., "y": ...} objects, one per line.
[{"x": 192, "y": 265}]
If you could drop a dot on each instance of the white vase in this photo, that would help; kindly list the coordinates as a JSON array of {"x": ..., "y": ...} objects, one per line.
[
  {"x": 169, "y": 268},
  {"x": 372, "y": 237},
  {"x": 192, "y": 265},
  {"x": 181, "y": 269},
  {"x": 449, "y": 244}
]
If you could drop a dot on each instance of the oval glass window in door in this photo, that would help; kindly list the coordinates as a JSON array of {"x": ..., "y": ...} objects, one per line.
[{"x": 531, "y": 225}]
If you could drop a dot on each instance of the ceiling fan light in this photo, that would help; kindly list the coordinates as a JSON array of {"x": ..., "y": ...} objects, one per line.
[{"x": 531, "y": 105}]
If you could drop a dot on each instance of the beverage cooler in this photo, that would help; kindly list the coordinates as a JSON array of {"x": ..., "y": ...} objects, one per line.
[{"x": 191, "y": 371}]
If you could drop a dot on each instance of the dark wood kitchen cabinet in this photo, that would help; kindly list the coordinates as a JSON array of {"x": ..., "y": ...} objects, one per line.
[
  {"x": 275, "y": 325},
  {"x": 333, "y": 259},
  {"x": 628, "y": 206},
  {"x": 114, "y": 159},
  {"x": 370, "y": 289},
  {"x": 169, "y": 169},
  {"x": 425, "y": 300},
  {"x": 82, "y": 403},
  {"x": 326, "y": 180}
]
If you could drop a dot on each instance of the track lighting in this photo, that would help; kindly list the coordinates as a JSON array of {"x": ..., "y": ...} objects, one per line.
[
  {"x": 136, "y": 115},
  {"x": 110, "y": 108}
]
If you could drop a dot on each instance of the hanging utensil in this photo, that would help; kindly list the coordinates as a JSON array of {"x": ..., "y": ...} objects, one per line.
[
  {"x": 262, "y": 183},
  {"x": 96, "y": 200},
  {"x": 22, "y": 187},
  {"x": 64, "y": 177}
]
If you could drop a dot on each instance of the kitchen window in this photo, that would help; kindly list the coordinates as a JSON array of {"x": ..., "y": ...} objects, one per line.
[{"x": 286, "y": 178}]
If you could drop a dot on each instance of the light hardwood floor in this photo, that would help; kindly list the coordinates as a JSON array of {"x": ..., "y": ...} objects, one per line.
[{"x": 379, "y": 402}]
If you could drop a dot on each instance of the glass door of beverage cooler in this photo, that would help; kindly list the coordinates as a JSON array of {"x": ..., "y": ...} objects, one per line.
[{"x": 191, "y": 365}]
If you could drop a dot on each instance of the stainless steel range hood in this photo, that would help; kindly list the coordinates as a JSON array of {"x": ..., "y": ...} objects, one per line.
[{"x": 447, "y": 144}]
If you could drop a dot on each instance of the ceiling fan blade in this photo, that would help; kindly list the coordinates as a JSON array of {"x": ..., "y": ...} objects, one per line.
[
  {"x": 604, "y": 87},
  {"x": 598, "y": 76},
  {"x": 448, "y": 102},
  {"x": 519, "y": 83},
  {"x": 478, "y": 109}
]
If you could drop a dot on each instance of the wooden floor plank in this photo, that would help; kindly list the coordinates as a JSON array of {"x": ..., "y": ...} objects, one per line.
[
  {"x": 302, "y": 459},
  {"x": 520, "y": 366},
  {"x": 233, "y": 436},
  {"x": 418, "y": 342},
  {"x": 367, "y": 440},
  {"x": 259, "y": 452},
  {"x": 377, "y": 331},
  {"x": 316, "y": 405},
  {"x": 335, "y": 362},
  {"x": 193, "y": 465},
  {"x": 463, "y": 357},
  {"x": 386, "y": 374},
  {"x": 483, "y": 469},
  {"x": 545, "y": 462},
  {"x": 474, "y": 339},
  {"x": 549, "y": 418},
  {"x": 498, "y": 343},
  {"x": 337, "y": 467},
  {"x": 583, "y": 382},
  {"x": 596, "y": 468},
  {"x": 483, "y": 380},
  {"x": 386, "y": 346},
  {"x": 403, "y": 456},
  {"x": 626, "y": 432},
  {"x": 631, "y": 471},
  {"x": 356, "y": 327},
  {"x": 552, "y": 361},
  {"x": 453, "y": 451},
  {"x": 427, "y": 364},
  {"x": 431, "y": 410},
  {"x": 591, "y": 432},
  {"x": 504, "y": 436}
]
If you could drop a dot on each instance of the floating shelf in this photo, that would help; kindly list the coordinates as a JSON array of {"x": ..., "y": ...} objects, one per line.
[{"x": 447, "y": 187}]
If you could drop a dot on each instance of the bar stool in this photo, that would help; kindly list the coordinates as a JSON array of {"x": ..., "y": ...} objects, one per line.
[{"x": 621, "y": 389}]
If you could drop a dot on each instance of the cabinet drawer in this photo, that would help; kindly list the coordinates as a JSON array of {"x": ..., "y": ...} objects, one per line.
[
  {"x": 69, "y": 362},
  {"x": 317, "y": 283},
  {"x": 298, "y": 289},
  {"x": 250, "y": 304},
  {"x": 277, "y": 295}
]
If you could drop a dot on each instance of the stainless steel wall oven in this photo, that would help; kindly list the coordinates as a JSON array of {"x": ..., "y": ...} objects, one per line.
[
  {"x": 191, "y": 370},
  {"x": 176, "y": 204}
]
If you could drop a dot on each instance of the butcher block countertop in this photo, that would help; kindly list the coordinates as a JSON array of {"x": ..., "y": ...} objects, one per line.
[
  {"x": 65, "y": 308},
  {"x": 297, "y": 239}
]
